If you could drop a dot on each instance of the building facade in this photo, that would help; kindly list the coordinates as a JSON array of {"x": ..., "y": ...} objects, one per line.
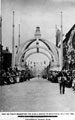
[
  {"x": 5, "y": 59},
  {"x": 69, "y": 49}
]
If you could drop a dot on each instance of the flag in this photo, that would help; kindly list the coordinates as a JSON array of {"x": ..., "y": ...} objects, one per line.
[{"x": 58, "y": 37}]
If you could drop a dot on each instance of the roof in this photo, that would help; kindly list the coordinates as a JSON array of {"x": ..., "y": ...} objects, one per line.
[{"x": 68, "y": 34}]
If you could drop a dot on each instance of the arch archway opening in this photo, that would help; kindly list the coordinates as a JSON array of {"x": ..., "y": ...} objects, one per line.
[{"x": 37, "y": 63}]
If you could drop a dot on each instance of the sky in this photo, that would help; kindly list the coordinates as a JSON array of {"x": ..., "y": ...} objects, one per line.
[{"x": 32, "y": 13}]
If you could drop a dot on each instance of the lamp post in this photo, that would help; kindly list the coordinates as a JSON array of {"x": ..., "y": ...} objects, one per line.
[
  {"x": 19, "y": 37},
  {"x": 0, "y": 42},
  {"x": 13, "y": 44},
  {"x": 0, "y": 38},
  {"x": 61, "y": 42}
]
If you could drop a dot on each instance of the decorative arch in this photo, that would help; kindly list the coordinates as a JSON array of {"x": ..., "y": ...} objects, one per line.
[
  {"x": 37, "y": 47},
  {"x": 25, "y": 47},
  {"x": 49, "y": 45},
  {"x": 35, "y": 53}
]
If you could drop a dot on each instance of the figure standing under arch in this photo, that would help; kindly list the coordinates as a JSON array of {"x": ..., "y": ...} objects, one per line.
[{"x": 61, "y": 81}]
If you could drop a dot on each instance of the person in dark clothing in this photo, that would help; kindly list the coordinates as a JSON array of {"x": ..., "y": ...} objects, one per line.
[
  {"x": 7, "y": 77},
  {"x": 63, "y": 84},
  {"x": 62, "y": 80}
]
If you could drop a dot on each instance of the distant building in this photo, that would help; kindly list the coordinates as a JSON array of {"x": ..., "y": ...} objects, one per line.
[
  {"x": 69, "y": 49},
  {"x": 6, "y": 59}
]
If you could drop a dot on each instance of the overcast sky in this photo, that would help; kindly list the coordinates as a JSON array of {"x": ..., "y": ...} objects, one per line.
[{"x": 32, "y": 13}]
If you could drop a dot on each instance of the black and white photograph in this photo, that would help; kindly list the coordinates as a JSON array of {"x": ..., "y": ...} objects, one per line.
[
  {"x": 37, "y": 56},
  {"x": 38, "y": 116}
]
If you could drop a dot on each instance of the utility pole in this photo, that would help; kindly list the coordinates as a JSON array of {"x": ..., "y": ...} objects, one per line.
[
  {"x": 0, "y": 38},
  {"x": 19, "y": 37},
  {"x": 61, "y": 40},
  {"x": 13, "y": 44},
  {"x": 1, "y": 62}
]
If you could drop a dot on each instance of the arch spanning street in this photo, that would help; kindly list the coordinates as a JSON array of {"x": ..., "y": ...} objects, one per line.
[
  {"x": 25, "y": 47},
  {"x": 30, "y": 54},
  {"x": 41, "y": 47},
  {"x": 50, "y": 48},
  {"x": 35, "y": 53}
]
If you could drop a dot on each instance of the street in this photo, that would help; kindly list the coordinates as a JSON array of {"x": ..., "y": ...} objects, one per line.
[{"x": 36, "y": 95}]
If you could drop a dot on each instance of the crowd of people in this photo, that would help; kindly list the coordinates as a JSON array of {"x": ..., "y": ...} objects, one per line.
[
  {"x": 64, "y": 78},
  {"x": 12, "y": 76}
]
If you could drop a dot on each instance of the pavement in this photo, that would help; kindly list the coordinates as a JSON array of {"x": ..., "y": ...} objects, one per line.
[{"x": 36, "y": 95}]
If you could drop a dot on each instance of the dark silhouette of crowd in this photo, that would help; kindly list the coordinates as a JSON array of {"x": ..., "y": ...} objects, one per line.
[
  {"x": 12, "y": 76},
  {"x": 65, "y": 78}
]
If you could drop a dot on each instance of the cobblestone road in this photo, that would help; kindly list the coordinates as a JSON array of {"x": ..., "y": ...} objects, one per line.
[{"x": 36, "y": 95}]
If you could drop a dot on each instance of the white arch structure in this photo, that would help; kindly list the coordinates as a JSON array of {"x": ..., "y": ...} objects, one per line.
[
  {"x": 35, "y": 53},
  {"x": 41, "y": 47},
  {"x": 24, "y": 47}
]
